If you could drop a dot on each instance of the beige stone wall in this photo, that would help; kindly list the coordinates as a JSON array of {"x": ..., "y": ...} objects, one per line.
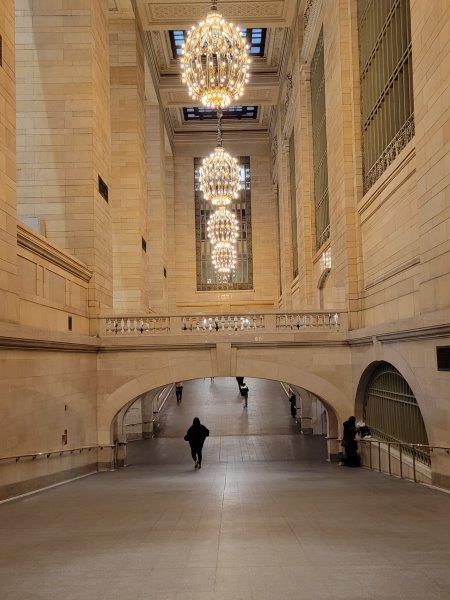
[
  {"x": 264, "y": 295},
  {"x": 43, "y": 393},
  {"x": 129, "y": 183},
  {"x": 63, "y": 130},
  {"x": 8, "y": 248},
  {"x": 389, "y": 247}
]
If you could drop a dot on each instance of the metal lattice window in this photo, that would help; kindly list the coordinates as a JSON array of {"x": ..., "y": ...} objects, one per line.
[
  {"x": 206, "y": 275},
  {"x": 386, "y": 83},
  {"x": 391, "y": 410},
  {"x": 256, "y": 39},
  {"x": 319, "y": 132},
  {"x": 197, "y": 113},
  {"x": 293, "y": 192}
]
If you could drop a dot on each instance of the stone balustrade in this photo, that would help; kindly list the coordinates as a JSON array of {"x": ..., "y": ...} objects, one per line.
[{"x": 230, "y": 323}]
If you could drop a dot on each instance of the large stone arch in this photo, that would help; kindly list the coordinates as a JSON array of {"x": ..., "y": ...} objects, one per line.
[{"x": 333, "y": 395}]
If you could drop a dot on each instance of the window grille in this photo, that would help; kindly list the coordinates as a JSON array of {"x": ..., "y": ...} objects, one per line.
[
  {"x": 293, "y": 192},
  {"x": 242, "y": 279},
  {"x": 387, "y": 102},
  {"x": 198, "y": 113},
  {"x": 391, "y": 410},
  {"x": 319, "y": 132}
]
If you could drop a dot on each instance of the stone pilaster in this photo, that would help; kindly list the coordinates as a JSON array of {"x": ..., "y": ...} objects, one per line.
[
  {"x": 156, "y": 194},
  {"x": 343, "y": 142},
  {"x": 63, "y": 135},
  {"x": 129, "y": 183},
  {"x": 8, "y": 234},
  {"x": 429, "y": 31}
]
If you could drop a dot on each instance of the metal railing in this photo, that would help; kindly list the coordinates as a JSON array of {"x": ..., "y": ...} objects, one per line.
[
  {"x": 223, "y": 323},
  {"x": 407, "y": 461},
  {"x": 48, "y": 454}
]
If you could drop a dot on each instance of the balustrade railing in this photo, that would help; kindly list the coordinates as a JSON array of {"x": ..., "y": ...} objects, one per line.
[
  {"x": 321, "y": 320},
  {"x": 221, "y": 323}
]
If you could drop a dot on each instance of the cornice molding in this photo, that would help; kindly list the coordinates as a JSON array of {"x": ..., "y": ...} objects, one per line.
[
  {"x": 41, "y": 246},
  {"x": 312, "y": 14}
]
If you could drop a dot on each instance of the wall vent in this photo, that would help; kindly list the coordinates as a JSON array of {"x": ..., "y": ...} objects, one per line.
[
  {"x": 69, "y": 323},
  {"x": 443, "y": 358},
  {"x": 144, "y": 244},
  {"x": 165, "y": 272},
  {"x": 103, "y": 188}
]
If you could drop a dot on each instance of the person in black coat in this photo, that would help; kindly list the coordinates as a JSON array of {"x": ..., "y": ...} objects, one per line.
[
  {"x": 293, "y": 403},
  {"x": 196, "y": 435},
  {"x": 350, "y": 444}
]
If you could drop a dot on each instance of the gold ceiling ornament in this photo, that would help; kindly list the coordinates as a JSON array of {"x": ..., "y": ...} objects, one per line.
[
  {"x": 224, "y": 257},
  {"x": 220, "y": 174},
  {"x": 222, "y": 226},
  {"x": 215, "y": 61}
]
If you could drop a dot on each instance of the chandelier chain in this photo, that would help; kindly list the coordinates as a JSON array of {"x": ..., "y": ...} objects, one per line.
[{"x": 219, "y": 128}]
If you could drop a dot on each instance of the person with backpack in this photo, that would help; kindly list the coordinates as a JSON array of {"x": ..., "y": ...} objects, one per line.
[
  {"x": 196, "y": 436},
  {"x": 244, "y": 394}
]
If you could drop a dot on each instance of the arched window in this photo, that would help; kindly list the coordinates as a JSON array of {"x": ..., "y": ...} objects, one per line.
[{"x": 390, "y": 408}]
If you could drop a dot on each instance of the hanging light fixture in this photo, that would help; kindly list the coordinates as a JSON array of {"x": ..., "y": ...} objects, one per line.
[
  {"x": 222, "y": 226},
  {"x": 224, "y": 258},
  {"x": 220, "y": 176},
  {"x": 215, "y": 61}
]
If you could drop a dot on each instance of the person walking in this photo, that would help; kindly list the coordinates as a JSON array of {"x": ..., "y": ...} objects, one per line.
[
  {"x": 196, "y": 436},
  {"x": 244, "y": 394},
  {"x": 240, "y": 382},
  {"x": 350, "y": 444},
  {"x": 293, "y": 403},
  {"x": 179, "y": 391}
]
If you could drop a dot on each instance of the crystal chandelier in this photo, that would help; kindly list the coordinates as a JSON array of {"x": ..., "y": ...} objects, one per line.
[
  {"x": 215, "y": 61},
  {"x": 220, "y": 178},
  {"x": 224, "y": 258},
  {"x": 222, "y": 227}
]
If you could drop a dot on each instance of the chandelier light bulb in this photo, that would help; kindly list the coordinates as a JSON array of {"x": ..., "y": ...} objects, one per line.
[
  {"x": 215, "y": 62},
  {"x": 220, "y": 178},
  {"x": 222, "y": 227},
  {"x": 224, "y": 258}
]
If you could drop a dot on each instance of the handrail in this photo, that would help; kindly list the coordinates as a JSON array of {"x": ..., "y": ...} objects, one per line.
[
  {"x": 35, "y": 455},
  {"x": 417, "y": 453}
]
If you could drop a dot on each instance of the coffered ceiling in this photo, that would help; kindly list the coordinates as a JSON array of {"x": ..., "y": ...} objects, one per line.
[{"x": 181, "y": 14}]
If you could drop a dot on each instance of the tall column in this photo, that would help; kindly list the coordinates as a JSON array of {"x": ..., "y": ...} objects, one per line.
[
  {"x": 63, "y": 135},
  {"x": 429, "y": 31},
  {"x": 156, "y": 193},
  {"x": 306, "y": 186},
  {"x": 129, "y": 183},
  {"x": 8, "y": 233},
  {"x": 344, "y": 150},
  {"x": 285, "y": 221}
]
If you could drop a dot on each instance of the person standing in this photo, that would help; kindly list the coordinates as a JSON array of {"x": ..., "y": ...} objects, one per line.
[
  {"x": 196, "y": 436},
  {"x": 179, "y": 391},
  {"x": 240, "y": 382},
  {"x": 293, "y": 403},
  {"x": 350, "y": 444}
]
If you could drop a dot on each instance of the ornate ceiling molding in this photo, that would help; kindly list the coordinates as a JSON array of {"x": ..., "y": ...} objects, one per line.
[{"x": 180, "y": 14}]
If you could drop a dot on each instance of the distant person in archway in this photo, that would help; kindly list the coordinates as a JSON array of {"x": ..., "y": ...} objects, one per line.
[
  {"x": 244, "y": 394},
  {"x": 350, "y": 444},
  {"x": 179, "y": 391},
  {"x": 293, "y": 403},
  {"x": 240, "y": 382},
  {"x": 196, "y": 436}
]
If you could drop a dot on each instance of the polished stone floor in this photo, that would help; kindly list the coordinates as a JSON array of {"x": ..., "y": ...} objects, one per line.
[{"x": 266, "y": 518}]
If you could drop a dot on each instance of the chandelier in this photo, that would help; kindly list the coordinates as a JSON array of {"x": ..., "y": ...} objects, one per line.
[
  {"x": 223, "y": 227},
  {"x": 224, "y": 258},
  {"x": 220, "y": 178},
  {"x": 215, "y": 61}
]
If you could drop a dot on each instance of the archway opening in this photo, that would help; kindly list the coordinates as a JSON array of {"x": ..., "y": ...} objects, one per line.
[{"x": 265, "y": 427}]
